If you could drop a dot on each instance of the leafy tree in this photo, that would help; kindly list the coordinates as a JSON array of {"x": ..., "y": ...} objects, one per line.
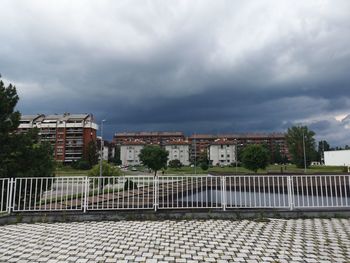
[
  {"x": 175, "y": 164},
  {"x": 276, "y": 156},
  {"x": 107, "y": 170},
  {"x": 154, "y": 157},
  {"x": 21, "y": 155},
  {"x": 91, "y": 154},
  {"x": 255, "y": 157},
  {"x": 294, "y": 139},
  {"x": 322, "y": 147}
]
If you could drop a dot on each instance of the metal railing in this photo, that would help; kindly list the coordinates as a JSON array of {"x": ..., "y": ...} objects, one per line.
[
  {"x": 175, "y": 192},
  {"x": 4, "y": 194},
  {"x": 257, "y": 191},
  {"x": 48, "y": 194},
  {"x": 189, "y": 192},
  {"x": 127, "y": 192}
]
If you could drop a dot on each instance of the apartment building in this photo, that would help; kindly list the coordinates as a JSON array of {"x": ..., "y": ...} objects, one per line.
[
  {"x": 201, "y": 142},
  {"x": 69, "y": 134},
  {"x": 179, "y": 150},
  {"x": 222, "y": 152},
  {"x": 129, "y": 152}
]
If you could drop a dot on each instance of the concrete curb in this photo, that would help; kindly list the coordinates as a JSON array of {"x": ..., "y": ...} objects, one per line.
[{"x": 52, "y": 217}]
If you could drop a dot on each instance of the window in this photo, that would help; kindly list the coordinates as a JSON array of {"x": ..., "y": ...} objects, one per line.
[
  {"x": 228, "y": 156},
  {"x": 222, "y": 156}
]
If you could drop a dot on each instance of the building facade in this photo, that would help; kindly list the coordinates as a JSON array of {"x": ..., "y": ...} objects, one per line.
[
  {"x": 68, "y": 134},
  {"x": 222, "y": 152},
  {"x": 178, "y": 150},
  {"x": 129, "y": 153},
  {"x": 201, "y": 142},
  {"x": 337, "y": 158}
]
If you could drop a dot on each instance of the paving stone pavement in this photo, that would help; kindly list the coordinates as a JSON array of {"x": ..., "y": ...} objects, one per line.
[{"x": 278, "y": 240}]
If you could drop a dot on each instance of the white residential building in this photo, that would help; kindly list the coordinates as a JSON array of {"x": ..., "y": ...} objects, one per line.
[
  {"x": 179, "y": 150},
  {"x": 337, "y": 158},
  {"x": 222, "y": 152},
  {"x": 129, "y": 153}
]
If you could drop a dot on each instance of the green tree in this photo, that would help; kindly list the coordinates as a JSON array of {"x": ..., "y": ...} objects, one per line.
[
  {"x": 154, "y": 157},
  {"x": 322, "y": 147},
  {"x": 91, "y": 154},
  {"x": 175, "y": 164},
  {"x": 276, "y": 156},
  {"x": 204, "y": 166},
  {"x": 107, "y": 170},
  {"x": 255, "y": 157},
  {"x": 21, "y": 155},
  {"x": 296, "y": 143}
]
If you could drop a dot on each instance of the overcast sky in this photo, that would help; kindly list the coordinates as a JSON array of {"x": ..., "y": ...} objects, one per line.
[{"x": 192, "y": 66}]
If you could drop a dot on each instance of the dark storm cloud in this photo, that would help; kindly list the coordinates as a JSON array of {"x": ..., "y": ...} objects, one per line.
[{"x": 199, "y": 66}]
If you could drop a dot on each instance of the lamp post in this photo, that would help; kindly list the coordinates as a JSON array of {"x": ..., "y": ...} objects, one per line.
[
  {"x": 304, "y": 151},
  {"x": 236, "y": 155},
  {"x": 101, "y": 150}
]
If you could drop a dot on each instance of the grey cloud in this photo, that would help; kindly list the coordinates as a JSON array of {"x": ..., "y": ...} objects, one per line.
[{"x": 192, "y": 66}]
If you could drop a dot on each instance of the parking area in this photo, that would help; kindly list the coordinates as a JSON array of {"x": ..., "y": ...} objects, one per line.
[{"x": 273, "y": 240}]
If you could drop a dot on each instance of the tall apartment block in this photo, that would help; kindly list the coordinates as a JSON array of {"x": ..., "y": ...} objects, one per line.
[{"x": 69, "y": 134}]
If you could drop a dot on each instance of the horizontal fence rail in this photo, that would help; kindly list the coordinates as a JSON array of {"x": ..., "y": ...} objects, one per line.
[{"x": 174, "y": 192}]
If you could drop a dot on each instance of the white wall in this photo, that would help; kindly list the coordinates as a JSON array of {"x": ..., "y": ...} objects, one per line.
[
  {"x": 337, "y": 158},
  {"x": 222, "y": 154},
  {"x": 179, "y": 152},
  {"x": 129, "y": 154}
]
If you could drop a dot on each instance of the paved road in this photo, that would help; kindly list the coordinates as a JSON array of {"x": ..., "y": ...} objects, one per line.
[{"x": 311, "y": 240}]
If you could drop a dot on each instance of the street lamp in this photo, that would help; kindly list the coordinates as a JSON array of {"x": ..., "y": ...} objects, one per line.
[
  {"x": 236, "y": 154},
  {"x": 304, "y": 151},
  {"x": 101, "y": 150}
]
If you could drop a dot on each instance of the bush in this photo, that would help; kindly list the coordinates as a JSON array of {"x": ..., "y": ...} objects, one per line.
[
  {"x": 107, "y": 170},
  {"x": 204, "y": 166},
  {"x": 175, "y": 164},
  {"x": 129, "y": 185}
]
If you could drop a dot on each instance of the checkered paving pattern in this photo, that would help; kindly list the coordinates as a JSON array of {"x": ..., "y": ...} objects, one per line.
[{"x": 278, "y": 240}]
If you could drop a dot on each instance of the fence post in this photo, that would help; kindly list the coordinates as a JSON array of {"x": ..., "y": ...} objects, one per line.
[
  {"x": 290, "y": 192},
  {"x": 86, "y": 189},
  {"x": 9, "y": 195},
  {"x": 155, "y": 189},
  {"x": 223, "y": 192}
]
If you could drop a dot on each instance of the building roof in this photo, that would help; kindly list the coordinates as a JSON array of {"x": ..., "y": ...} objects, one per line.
[
  {"x": 222, "y": 141},
  {"x": 177, "y": 142},
  {"x": 56, "y": 117},
  {"x": 155, "y": 134}
]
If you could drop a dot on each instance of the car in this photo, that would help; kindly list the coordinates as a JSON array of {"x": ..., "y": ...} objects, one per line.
[{"x": 133, "y": 169}]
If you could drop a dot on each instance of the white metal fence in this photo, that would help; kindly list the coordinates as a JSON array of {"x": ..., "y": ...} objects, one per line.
[
  {"x": 175, "y": 192},
  {"x": 4, "y": 194}
]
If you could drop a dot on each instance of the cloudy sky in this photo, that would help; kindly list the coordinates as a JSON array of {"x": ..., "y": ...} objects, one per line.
[{"x": 193, "y": 66}]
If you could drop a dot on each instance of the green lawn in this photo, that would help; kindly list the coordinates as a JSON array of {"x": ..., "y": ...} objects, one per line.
[
  {"x": 290, "y": 169},
  {"x": 270, "y": 169}
]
